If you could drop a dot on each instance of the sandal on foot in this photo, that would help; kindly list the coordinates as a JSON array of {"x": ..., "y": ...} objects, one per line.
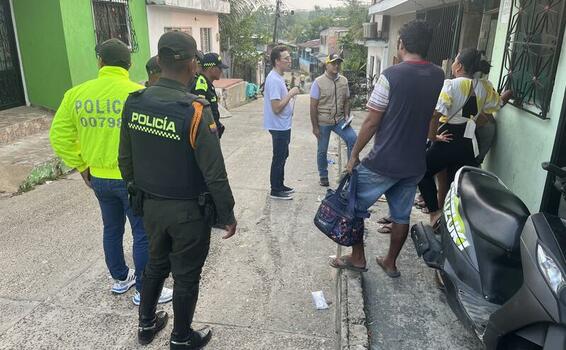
[
  {"x": 385, "y": 229},
  {"x": 392, "y": 274},
  {"x": 384, "y": 220},
  {"x": 344, "y": 264}
]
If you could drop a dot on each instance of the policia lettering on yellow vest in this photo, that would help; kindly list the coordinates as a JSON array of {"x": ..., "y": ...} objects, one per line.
[{"x": 170, "y": 155}]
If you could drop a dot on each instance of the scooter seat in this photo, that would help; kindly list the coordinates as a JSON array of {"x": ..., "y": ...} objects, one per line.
[{"x": 493, "y": 212}]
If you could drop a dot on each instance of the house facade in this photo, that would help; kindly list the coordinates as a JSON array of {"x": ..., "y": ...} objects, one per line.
[
  {"x": 49, "y": 46},
  {"x": 198, "y": 18},
  {"x": 524, "y": 41}
]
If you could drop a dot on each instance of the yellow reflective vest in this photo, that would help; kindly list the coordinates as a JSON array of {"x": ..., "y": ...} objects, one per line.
[{"x": 85, "y": 132}]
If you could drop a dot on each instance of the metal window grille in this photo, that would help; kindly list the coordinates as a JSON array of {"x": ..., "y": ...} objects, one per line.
[
  {"x": 444, "y": 21},
  {"x": 11, "y": 90},
  {"x": 205, "y": 43},
  {"x": 112, "y": 19},
  {"x": 532, "y": 50}
]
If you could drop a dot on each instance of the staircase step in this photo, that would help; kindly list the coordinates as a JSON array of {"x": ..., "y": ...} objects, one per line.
[
  {"x": 20, "y": 122},
  {"x": 27, "y": 162}
]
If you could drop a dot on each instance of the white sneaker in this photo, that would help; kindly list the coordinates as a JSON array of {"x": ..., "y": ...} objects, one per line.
[
  {"x": 165, "y": 297},
  {"x": 121, "y": 287}
]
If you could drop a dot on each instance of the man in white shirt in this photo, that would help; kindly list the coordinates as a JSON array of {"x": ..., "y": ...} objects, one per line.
[{"x": 277, "y": 118}]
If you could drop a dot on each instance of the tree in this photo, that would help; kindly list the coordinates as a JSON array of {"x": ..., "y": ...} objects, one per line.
[{"x": 240, "y": 37}]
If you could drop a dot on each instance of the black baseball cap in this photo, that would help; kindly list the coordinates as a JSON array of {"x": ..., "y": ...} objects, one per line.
[
  {"x": 333, "y": 58},
  {"x": 212, "y": 59},
  {"x": 152, "y": 67},
  {"x": 177, "y": 45},
  {"x": 114, "y": 52}
]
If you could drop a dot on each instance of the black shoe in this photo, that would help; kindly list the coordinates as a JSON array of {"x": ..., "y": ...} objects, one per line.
[
  {"x": 196, "y": 340},
  {"x": 146, "y": 333},
  {"x": 324, "y": 182},
  {"x": 288, "y": 189},
  {"x": 281, "y": 195}
]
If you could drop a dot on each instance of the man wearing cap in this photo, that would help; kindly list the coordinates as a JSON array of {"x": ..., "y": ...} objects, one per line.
[
  {"x": 170, "y": 152},
  {"x": 153, "y": 71},
  {"x": 329, "y": 110},
  {"x": 85, "y": 134},
  {"x": 212, "y": 67}
]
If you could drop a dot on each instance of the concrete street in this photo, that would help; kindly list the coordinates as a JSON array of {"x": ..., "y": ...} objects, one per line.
[{"x": 256, "y": 287}]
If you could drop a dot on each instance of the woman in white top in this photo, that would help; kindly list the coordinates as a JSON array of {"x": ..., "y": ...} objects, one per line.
[{"x": 462, "y": 101}]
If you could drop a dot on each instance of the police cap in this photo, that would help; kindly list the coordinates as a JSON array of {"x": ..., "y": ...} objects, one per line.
[
  {"x": 334, "y": 58},
  {"x": 212, "y": 59},
  {"x": 152, "y": 67},
  {"x": 177, "y": 45},
  {"x": 114, "y": 52}
]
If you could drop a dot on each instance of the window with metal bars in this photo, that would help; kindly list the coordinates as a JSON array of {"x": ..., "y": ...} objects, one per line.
[
  {"x": 112, "y": 19},
  {"x": 205, "y": 40},
  {"x": 532, "y": 50}
]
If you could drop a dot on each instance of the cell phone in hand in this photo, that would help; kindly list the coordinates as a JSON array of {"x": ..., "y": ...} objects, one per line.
[{"x": 347, "y": 122}]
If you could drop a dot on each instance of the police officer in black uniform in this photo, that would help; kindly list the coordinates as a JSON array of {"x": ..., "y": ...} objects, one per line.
[
  {"x": 212, "y": 67},
  {"x": 170, "y": 153},
  {"x": 153, "y": 71}
]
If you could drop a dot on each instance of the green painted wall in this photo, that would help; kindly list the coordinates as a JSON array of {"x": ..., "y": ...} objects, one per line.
[
  {"x": 43, "y": 50},
  {"x": 57, "y": 42},
  {"x": 523, "y": 140},
  {"x": 80, "y": 39}
]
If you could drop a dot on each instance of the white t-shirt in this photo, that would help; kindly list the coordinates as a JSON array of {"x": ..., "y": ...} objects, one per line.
[{"x": 275, "y": 89}]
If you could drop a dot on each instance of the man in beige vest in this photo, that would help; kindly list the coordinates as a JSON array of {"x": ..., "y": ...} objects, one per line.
[{"x": 330, "y": 111}]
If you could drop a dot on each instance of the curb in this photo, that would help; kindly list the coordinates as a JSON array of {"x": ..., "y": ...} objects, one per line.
[
  {"x": 353, "y": 329},
  {"x": 48, "y": 170}
]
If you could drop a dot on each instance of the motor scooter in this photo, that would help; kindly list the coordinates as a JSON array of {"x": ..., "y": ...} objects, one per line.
[{"x": 503, "y": 269}]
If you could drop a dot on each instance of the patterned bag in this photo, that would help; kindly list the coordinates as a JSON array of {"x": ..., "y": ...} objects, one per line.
[{"x": 336, "y": 216}]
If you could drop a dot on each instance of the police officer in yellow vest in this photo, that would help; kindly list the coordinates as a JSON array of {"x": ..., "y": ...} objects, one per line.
[
  {"x": 212, "y": 67},
  {"x": 85, "y": 133},
  {"x": 170, "y": 151}
]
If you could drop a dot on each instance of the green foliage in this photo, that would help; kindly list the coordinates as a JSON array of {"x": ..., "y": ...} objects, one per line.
[{"x": 250, "y": 25}]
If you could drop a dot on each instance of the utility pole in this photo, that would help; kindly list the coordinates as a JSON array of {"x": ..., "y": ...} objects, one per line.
[{"x": 277, "y": 15}]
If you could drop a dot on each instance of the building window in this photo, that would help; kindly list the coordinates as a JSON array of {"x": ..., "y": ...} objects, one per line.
[
  {"x": 205, "y": 40},
  {"x": 112, "y": 20},
  {"x": 187, "y": 30},
  {"x": 532, "y": 49}
]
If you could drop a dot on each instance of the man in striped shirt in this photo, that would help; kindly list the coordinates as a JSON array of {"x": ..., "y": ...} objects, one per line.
[{"x": 400, "y": 110}]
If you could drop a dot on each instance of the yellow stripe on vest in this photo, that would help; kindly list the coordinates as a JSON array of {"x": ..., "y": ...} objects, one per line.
[{"x": 195, "y": 123}]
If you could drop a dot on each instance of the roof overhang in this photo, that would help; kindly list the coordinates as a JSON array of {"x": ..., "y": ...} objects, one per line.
[
  {"x": 403, "y": 7},
  {"x": 210, "y": 6}
]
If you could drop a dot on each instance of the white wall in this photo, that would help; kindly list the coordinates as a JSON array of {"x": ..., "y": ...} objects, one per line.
[
  {"x": 159, "y": 17},
  {"x": 396, "y": 23}
]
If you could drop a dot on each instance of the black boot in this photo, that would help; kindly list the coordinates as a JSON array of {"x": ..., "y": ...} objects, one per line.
[
  {"x": 147, "y": 333},
  {"x": 150, "y": 323},
  {"x": 183, "y": 337},
  {"x": 195, "y": 340}
]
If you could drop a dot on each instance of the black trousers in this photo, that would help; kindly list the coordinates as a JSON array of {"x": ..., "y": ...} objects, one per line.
[
  {"x": 179, "y": 242},
  {"x": 281, "y": 140},
  {"x": 446, "y": 155}
]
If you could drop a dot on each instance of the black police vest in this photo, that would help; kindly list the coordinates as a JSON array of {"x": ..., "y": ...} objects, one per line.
[{"x": 163, "y": 159}]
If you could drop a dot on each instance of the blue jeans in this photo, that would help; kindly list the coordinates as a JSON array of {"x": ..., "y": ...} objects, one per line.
[
  {"x": 112, "y": 196},
  {"x": 400, "y": 193},
  {"x": 281, "y": 140},
  {"x": 348, "y": 135}
]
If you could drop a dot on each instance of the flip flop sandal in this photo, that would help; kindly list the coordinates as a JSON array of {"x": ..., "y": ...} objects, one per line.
[
  {"x": 344, "y": 264},
  {"x": 392, "y": 274},
  {"x": 385, "y": 229},
  {"x": 384, "y": 220}
]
